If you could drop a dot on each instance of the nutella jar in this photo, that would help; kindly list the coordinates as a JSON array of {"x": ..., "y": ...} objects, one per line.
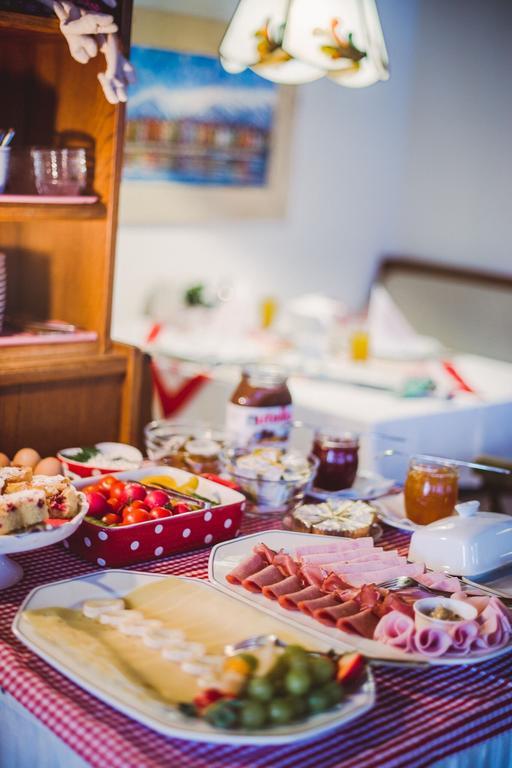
[{"x": 260, "y": 409}]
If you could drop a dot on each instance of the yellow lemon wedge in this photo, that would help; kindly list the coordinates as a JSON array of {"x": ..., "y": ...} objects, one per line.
[
  {"x": 189, "y": 487},
  {"x": 164, "y": 480}
]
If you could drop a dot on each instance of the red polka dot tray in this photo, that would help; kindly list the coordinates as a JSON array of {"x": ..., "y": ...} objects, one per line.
[{"x": 112, "y": 546}]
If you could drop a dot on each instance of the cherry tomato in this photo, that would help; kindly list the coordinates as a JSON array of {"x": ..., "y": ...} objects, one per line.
[
  {"x": 115, "y": 504},
  {"x": 131, "y": 515},
  {"x": 138, "y": 504},
  {"x": 156, "y": 498},
  {"x": 117, "y": 490},
  {"x": 133, "y": 492},
  {"x": 93, "y": 489},
  {"x": 180, "y": 508},
  {"x": 157, "y": 512},
  {"x": 106, "y": 483},
  {"x": 111, "y": 519},
  {"x": 97, "y": 504}
]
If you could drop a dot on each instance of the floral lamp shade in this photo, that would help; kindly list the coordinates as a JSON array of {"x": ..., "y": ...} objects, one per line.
[{"x": 298, "y": 41}]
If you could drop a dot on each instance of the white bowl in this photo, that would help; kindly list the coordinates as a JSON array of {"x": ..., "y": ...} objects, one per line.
[{"x": 422, "y": 607}]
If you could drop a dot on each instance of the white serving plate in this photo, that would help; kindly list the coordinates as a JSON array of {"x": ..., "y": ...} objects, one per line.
[
  {"x": 367, "y": 486},
  {"x": 391, "y": 510},
  {"x": 226, "y": 556},
  {"x": 27, "y": 541},
  {"x": 70, "y": 593}
]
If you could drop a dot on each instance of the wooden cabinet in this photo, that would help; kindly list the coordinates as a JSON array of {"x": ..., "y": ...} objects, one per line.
[{"x": 60, "y": 258}]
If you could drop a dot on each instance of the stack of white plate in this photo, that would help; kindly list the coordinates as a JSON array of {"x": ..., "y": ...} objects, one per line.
[{"x": 3, "y": 288}]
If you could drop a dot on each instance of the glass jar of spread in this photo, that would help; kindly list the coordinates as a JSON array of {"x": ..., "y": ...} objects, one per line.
[
  {"x": 338, "y": 456},
  {"x": 260, "y": 408},
  {"x": 430, "y": 490}
]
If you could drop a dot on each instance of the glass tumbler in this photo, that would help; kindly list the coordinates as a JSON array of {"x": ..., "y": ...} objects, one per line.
[
  {"x": 59, "y": 171},
  {"x": 430, "y": 491}
]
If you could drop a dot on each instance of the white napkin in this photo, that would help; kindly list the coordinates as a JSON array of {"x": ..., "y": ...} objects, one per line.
[{"x": 391, "y": 334}]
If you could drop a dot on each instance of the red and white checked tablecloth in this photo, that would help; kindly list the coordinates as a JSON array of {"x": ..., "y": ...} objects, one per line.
[{"x": 421, "y": 715}]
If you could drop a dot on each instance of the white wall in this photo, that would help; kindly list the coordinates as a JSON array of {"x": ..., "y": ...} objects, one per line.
[
  {"x": 456, "y": 199},
  {"x": 419, "y": 165}
]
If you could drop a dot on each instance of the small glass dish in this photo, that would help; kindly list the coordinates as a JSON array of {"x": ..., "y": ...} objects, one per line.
[
  {"x": 266, "y": 495},
  {"x": 195, "y": 447},
  {"x": 60, "y": 172}
]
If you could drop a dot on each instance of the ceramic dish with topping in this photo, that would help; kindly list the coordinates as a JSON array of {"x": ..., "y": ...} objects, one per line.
[
  {"x": 274, "y": 480},
  {"x": 193, "y": 447},
  {"x": 99, "y": 459}
]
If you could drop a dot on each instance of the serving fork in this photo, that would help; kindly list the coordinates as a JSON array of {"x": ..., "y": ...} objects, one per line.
[{"x": 403, "y": 582}]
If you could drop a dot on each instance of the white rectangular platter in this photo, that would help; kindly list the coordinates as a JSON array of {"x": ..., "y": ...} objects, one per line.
[
  {"x": 226, "y": 556},
  {"x": 167, "y": 719}
]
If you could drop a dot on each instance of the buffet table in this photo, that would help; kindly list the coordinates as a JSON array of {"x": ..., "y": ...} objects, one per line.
[{"x": 447, "y": 717}]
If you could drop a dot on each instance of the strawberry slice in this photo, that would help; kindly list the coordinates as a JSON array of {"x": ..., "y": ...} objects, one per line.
[{"x": 350, "y": 667}]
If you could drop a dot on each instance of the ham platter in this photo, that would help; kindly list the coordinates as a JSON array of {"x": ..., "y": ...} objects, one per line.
[{"x": 331, "y": 587}]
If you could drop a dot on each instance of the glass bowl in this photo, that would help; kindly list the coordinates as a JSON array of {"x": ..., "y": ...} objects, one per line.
[
  {"x": 60, "y": 171},
  {"x": 266, "y": 495},
  {"x": 195, "y": 447}
]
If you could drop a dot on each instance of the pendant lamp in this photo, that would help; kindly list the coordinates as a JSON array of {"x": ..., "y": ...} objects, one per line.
[{"x": 298, "y": 41}]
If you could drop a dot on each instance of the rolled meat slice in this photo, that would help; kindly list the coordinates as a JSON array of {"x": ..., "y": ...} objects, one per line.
[
  {"x": 331, "y": 615},
  {"x": 397, "y": 630},
  {"x": 286, "y": 564},
  {"x": 246, "y": 568},
  {"x": 269, "y": 575},
  {"x": 310, "y": 606},
  {"x": 291, "y": 601},
  {"x": 265, "y": 552},
  {"x": 313, "y": 575},
  {"x": 338, "y": 546},
  {"x": 287, "y": 585},
  {"x": 362, "y": 623},
  {"x": 432, "y": 641}
]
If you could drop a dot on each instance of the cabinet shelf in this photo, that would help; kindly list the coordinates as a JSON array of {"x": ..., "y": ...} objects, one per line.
[
  {"x": 23, "y": 22},
  {"x": 42, "y": 211}
]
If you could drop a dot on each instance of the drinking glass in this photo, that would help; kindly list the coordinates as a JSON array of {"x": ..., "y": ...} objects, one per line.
[
  {"x": 430, "y": 490},
  {"x": 59, "y": 171}
]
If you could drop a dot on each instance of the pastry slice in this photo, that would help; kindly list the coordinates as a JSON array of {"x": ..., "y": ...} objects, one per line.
[
  {"x": 10, "y": 475},
  {"x": 22, "y": 510},
  {"x": 61, "y": 496}
]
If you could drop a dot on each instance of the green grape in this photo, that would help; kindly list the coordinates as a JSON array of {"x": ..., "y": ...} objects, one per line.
[
  {"x": 253, "y": 714},
  {"x": 221, "y": 715},
  {"x": 260, "y": 688},
  {"x": 333, "y": 691},
  {"x": 297, "y": 681},
  {"x": 251, "y": 660},
  {"x": 318, "y": 701},
  {"x": 322, "y": 669},
  {"x": 281, "y": 711}
]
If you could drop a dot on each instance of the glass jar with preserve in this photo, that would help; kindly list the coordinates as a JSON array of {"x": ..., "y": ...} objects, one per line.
[
  {"x": 260, "y": 408},
  {"x": 338, "y": 454},
  {"x": 430, "y": 490}
]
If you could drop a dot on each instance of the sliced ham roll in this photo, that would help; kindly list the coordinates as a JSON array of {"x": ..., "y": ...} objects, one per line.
[
  {"x": 393, "y": 602},
  {"x": 310, "y": 606},
  {"x": 330, "y": 616},
  {"x": 359, "y": 580},
  {"x": 266, "y": 577},
  {"x": 265, "y": 552},
  {"x": 291, "y": 601},
  {"x": 334, "y": 583},
  {"x": 287, "y": 585},
  {"x": 246, "y": 568},
  {"x": 313, "y": 575},
  {"x": 397, "y": 630},
  {"x": 362, "y": 623},
  {"x": 338, "y": 546},
  {"x": 286, "y": 564}
]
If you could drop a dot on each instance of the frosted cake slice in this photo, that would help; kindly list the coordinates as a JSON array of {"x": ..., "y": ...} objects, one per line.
[{"x": 22, "y": 509}]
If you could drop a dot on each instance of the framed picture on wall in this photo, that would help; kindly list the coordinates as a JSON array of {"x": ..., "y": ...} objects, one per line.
[{"x": 201, "y": 144}]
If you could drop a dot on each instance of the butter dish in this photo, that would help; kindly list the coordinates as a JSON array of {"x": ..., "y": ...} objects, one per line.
[{"x": 468, "y": 543}]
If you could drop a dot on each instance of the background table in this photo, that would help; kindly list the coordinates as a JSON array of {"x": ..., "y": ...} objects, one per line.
[
  {"x": 448, "y": 717},
  {"x": 463, "y": 428}
]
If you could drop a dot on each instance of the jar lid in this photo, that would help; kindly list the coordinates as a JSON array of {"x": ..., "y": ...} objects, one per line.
[{"x": 265, "y": 376}]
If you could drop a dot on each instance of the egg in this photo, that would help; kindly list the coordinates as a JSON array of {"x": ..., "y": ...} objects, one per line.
[
  {"x": 26, "y": 457},
  {"x": 48, "y": 466},
  {"x": 4, "y": 460}
]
